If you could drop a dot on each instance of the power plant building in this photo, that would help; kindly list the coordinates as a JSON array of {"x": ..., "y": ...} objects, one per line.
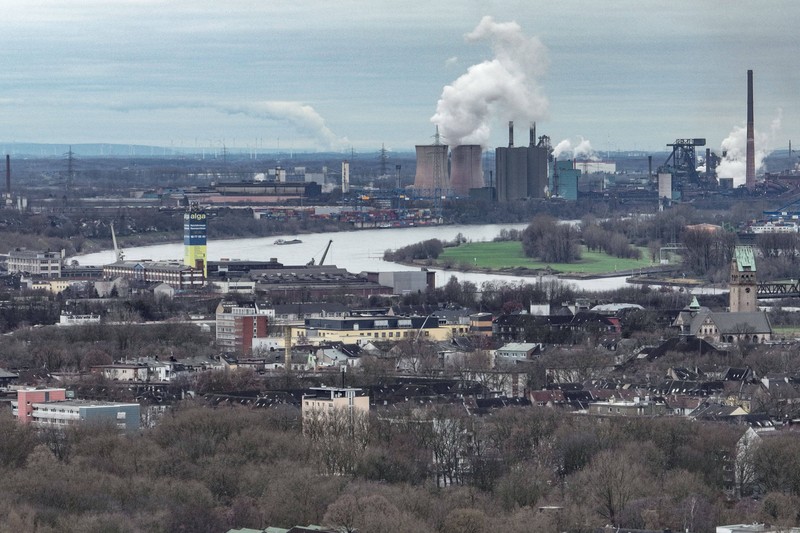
[
  {"x": 465, "y": 169},
  {"x": 521, "y": 171},
  {"x": 565, "y": 180},
  {"x": 431, "y": 167}
]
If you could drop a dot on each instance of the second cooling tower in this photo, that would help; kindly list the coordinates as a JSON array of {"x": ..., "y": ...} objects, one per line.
[
  {"x": 431, "y": 167},
  {"x": 465, "y": 169}
]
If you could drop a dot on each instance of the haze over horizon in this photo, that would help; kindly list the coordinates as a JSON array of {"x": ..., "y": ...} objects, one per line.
[{"x": 312, "y": 76}]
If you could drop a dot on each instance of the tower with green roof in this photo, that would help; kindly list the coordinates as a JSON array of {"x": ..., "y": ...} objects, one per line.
[{"x": 743, "y": 283}]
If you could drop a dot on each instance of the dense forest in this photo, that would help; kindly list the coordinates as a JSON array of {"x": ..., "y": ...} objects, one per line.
[{"x": 206, "y": 469}]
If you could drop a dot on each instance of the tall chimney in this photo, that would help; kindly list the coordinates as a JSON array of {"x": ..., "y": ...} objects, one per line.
[
  {"x": 532, "y": 141},
  {"x": 750, "y": 173},
  {"x": 8, "y": 176},
  {"x": 511, "y": 134}
]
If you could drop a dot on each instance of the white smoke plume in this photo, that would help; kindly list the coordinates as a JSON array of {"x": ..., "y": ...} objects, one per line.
[
  {"x": 504, "y": 87},
  {"x": 734, "y": 163},
  {"x": 303, "y": 117},
  {"x": 582, "y": 148}
]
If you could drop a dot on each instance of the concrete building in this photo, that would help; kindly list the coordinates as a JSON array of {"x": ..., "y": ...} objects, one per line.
[
  {"x": 49, "y": 408},
  {"x": 173, "y": 273},
  {"x": 239, "y": 324},
  {"x": 69, "y": 319},
  {"x": 481, "y": 324},
  {"x": 521, "y": 172},
  {"x": 565, "y": 180},
  {"x": 36, "y": 263},
  {"x": 517, "y": 351},
  {"x": 405, "y": 282},
  {"x": 321, "y": 400},
  {"x": 314, "y": 283},
  {"x": 26, "y": 398},
  {"x": 364, "y": 329}
]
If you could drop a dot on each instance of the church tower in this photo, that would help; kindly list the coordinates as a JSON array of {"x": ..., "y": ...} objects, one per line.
[{"x": 743, "y": 283}]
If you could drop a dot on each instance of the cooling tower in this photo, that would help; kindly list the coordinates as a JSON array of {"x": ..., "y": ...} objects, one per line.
[
  {"x": 465, "y": 169},
  {"x": 750, "y": 172},
  {"x": 431, "y": 167}
]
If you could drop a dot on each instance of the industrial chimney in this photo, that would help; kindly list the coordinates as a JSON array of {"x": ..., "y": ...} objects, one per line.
[
  {"x": 8, "y": 176},
  {"x": 750, "y": 172},
  {"x": 511, "y": 134}
]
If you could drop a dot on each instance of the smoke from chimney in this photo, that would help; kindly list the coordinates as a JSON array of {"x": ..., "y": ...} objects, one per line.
[{"x": 505, "y": 85}]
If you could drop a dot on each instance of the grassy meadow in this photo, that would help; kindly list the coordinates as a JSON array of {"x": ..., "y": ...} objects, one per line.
[{"x": 508, "y": 254}]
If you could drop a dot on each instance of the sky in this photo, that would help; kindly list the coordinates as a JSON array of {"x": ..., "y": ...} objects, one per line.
[{"x": 317, "y": 75}]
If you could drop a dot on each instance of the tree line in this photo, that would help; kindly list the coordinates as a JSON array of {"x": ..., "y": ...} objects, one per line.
[{"x": 414, "y": 469}]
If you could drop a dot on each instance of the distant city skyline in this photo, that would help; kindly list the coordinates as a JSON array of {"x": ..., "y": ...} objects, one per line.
[{"x": 314, "y": 76}]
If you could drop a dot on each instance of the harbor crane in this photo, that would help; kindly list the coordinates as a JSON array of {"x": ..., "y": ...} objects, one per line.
[
  {"x": 118, "y": 253},
  {"x": 324, "y": 255}
]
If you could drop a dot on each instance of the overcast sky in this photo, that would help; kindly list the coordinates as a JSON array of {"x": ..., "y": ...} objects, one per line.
[{"x": 321, "y": 75}]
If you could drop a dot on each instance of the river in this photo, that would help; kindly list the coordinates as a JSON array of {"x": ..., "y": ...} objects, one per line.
[{"x": 355, "y": 251}]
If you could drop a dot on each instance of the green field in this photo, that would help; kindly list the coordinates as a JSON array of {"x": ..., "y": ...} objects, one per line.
[{"x": 508, "y": 254}]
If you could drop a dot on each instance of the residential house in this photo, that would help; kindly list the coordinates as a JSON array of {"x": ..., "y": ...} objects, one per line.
[
  {"x": 481, "y": 324},
  {"x": 517, "y": 351},
  {"x": 123, "y": 371},
  {"x": 7, "y": 378},
  {"x": 638, "y": 407},
  {"x": 239, "y": 324}
]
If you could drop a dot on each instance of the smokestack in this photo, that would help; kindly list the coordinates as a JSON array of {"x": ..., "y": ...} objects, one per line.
[
  {"x": 750, "y": 173},
  {"x": 532, "y": 141},
  {"x": 511, "y": 134},
  {"x": 649, "y": 166},
  {"x": 8, "y": 176}
]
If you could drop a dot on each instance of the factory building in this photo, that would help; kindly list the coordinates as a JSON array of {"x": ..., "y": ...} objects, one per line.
[
  {"x": 172, "y": 273},
  {"x": 195, "y": 235},
  {"x": 564, "y": 182},
  {"x": 36, "y": 263},
  {"x": 521, "y": 171}
]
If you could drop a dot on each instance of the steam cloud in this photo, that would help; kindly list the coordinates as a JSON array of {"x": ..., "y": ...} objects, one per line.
[
  {"x": 303, "y": 117},
  {"x": 734, "y": 164},
  {"x": 506, "y": 85},
  {"x": 582, "y": 148}
]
